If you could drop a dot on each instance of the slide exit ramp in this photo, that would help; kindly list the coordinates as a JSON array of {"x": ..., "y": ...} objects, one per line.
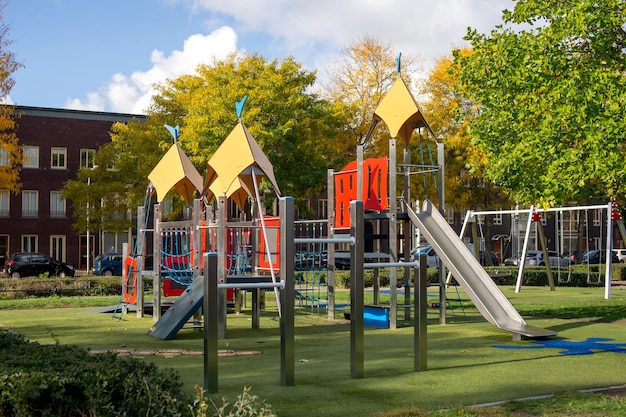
[
  {"x": 470, "y": 274},
  {"x": 180, "y": 312}
]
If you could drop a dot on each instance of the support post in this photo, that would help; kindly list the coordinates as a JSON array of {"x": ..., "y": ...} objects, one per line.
[
  {"x": 609, "y": 252},
  {"x": 210, "y": 312},
  {"x": 331, "y": 248},
  {"x": 287, "y": 305},
  {"x": 142, "y": 254},
  {"x": 221, "y": 261},
  {"x": 420, "y": 340},
  {"x": 393, "y": 236},
  {"x": 357, "y": 230},
  {"x": 156, "y": 273}
]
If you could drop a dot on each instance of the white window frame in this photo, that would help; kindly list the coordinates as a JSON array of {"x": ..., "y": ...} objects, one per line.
[
  {"x": 57, "y": 205},
  {"x": 58, "y": 158},
  {"x": 497, "y": 219},
  {"x": 30, "y": 203},
  {"x": 5, "y": 203},
  {"x": 30, "y": 243},
  {"x": 87, "y": 158},
  {"x": 58, "y": 247},
  {"x": 4, "y": 157},
  {"x": 31, "y": 157}
]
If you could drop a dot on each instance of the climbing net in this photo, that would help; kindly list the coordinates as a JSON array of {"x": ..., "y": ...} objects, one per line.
[
  {"x": 311, "y": 264},
  {"x": 238, "y": 250},
  {"x": 176, "y": 254}
]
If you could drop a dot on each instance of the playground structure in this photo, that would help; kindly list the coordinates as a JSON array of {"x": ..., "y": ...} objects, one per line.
[
  {"x": 249, "y": 253},
  {"x": 206, "y": 260}
]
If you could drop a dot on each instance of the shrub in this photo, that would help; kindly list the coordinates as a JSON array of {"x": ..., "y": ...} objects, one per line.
[
  {"x": 57, "y": 380},
  {"x": 45, "y": 287}
]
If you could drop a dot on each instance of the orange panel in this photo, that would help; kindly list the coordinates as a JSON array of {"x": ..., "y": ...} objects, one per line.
[
  {"x": 272, "y": 225},
  {"x": 373, "y": 194}
]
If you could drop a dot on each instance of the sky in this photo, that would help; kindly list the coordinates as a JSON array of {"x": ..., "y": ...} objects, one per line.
[{"x": 106, "y": 55}]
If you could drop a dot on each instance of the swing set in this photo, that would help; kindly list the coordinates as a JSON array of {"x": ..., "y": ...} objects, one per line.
[{"x": 572, "y": 224}]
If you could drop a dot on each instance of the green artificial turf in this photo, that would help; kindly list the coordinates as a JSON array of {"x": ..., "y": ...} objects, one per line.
[{"x": 463, "y": 365}]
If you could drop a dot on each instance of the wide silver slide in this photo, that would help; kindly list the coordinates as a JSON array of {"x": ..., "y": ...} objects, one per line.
[{"x": 470, "y": 274}]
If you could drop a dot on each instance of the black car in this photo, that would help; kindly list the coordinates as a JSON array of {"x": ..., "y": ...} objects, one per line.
[
  {"x": 35, "y": 264},
  {"x": 598, "y": 257}
]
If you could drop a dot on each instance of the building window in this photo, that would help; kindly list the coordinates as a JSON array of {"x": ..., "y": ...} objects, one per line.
[
  {"x": 4, "y": 203},
  {"x": 58, "y": 158},
  {"x": 4, "y": 248},
  {"x": 57, "y": 247},
  {"x": 30, "y": 243},
  {"x": 322, "y": 209},
  {"x": 57, "y": 204},
  {"x": 497, "y": 219},
  {"x": 31, "y": 157},
  {"x": 87, "y": 158},
  {"x": 29, "y": 203},
  {"x": 4, "y": 157}
]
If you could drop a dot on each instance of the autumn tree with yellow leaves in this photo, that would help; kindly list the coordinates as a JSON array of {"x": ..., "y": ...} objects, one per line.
[{"x": 10, "y": 149}]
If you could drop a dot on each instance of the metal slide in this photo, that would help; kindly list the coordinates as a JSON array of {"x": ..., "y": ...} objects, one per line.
[
  {"x": 180, "y": 312},
  {"x": 472, "y": 277}
]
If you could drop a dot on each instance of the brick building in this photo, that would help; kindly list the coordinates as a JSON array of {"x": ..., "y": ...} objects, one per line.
[{"x": 57, "y": 143}]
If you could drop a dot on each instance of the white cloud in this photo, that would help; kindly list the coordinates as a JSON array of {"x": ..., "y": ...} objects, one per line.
[
  {"x": 132, "y": 94},
  {"x": 423, "y": 28}
]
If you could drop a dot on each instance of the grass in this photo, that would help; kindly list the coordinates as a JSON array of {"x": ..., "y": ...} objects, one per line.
[{"x": 464, "y": 368}]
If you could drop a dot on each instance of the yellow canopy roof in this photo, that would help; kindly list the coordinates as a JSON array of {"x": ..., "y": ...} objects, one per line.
[
  {"x": 399, "y": 110},
  {"x": 175, "y": 170},
  {"x": 231, "y": 167}
]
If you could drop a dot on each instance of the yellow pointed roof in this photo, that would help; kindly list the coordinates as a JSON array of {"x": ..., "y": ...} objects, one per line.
[
  {"x": 175, "y": 170},
  {"x": 400, "y": 112},
  {"x": 231, "y": 167}
]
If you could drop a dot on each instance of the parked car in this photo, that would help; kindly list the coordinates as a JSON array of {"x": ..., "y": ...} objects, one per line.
[
  {"x": 513, "y": 260},
  {"x": 621, "y": 254},
  {"x": 535, "y": 258},
  {"x": 432, "y": 259},
  {"x": 24, "y": 264},
  {"x": 597, "y": 257},
  {"x": 493, "y": 260},
  {"x": 107, "y": 264}
]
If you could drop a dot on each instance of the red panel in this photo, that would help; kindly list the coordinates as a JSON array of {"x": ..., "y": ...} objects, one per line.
[
  {"x": 373, "y": 194},
  {"x": 272, "y": 224}
]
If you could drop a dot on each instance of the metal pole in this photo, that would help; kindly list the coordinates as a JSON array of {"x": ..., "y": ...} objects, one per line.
[
  {"x": 287, "y": 295},
  {"x": 420, "y": 340},
  {"x": 357, "y": 230},
  {"x": 210, "y": 312}
]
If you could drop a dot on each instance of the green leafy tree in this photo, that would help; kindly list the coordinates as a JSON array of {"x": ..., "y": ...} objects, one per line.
[
  {"x": 551, "y": 85},
  {"x": 10, "y": 149},
  {"x": 293, "y": 126},
  {"x": 118, "y": 182},
  {"x": 450, "y": 114}
]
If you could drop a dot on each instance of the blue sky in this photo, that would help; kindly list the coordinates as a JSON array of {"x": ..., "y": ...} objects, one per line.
[{"x": 105, "y": 55}]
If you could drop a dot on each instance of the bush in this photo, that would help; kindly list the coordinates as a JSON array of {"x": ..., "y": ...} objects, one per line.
[
  {"x": 66, "y": 381},
  {"x": 577, "y": 275},
  {"x": 45, "y": 287},
  {"x": 57, "y": 380}
]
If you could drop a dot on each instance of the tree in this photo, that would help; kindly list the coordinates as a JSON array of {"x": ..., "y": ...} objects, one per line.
[
  {"x": 294, "y": 127},
  {"x": 450, "y": 114},
  {"x": 118, "y": 181},
  {"x": 551, "y": 86},
  {"x": 10, "y": 149},
  {"x": 359, "y": 79}
]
